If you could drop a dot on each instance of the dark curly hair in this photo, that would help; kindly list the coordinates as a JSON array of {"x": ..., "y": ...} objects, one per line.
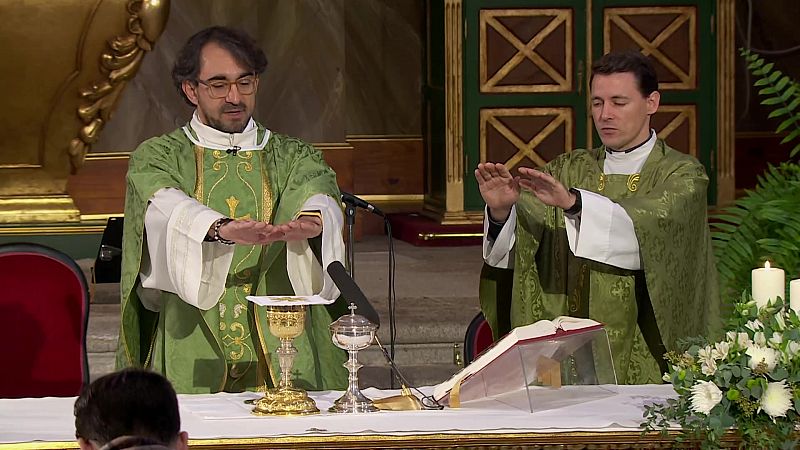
[
  {"x": 243, "y": 48},
  {"x": 628, "y": 61}
]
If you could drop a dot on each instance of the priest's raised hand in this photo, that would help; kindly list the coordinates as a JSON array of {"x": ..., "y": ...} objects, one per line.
[
  {"x": 499, "y": 189},
  {"x": 546, "y": 188}
]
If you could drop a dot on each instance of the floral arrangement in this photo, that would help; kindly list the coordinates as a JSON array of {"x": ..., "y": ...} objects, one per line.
[{"x": 748, "y": 383}]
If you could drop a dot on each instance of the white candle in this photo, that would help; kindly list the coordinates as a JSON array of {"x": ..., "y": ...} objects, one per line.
[
  {"x": 768, "y": 284},
  {"x": 794, "y": 295}
]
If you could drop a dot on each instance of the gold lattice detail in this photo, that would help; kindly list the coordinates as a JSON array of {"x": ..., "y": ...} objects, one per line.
[
  {"x": 617, "y": 16},
  {"x": 560, "y": 117},
  {"x": 562, "y": 82},
  {"x": 685, "y": 114}
]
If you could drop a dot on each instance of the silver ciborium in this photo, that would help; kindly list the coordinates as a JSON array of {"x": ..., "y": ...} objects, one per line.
[{"x": 352, "y": 332}]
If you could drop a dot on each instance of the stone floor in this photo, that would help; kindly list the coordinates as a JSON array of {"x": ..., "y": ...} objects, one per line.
[{"x": 436, "y": 298}]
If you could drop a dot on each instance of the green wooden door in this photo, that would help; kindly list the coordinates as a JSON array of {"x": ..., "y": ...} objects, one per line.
[{"x": 524, "y": 83}]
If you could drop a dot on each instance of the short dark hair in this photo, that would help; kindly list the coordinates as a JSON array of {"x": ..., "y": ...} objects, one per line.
[
  {"x": 243, "y": 48},
  {"x": 628, "y": 61},
  {"x": 129, "y": 402}
]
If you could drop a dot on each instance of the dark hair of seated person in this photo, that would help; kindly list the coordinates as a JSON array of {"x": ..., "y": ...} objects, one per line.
[{"x": 132, "y": 408}]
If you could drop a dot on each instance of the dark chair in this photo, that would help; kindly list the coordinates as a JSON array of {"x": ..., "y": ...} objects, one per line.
[
  {"x": 44, "y": 314},
  {"x": 477, "y": 338},
  {"x": 107, "y": 266}
]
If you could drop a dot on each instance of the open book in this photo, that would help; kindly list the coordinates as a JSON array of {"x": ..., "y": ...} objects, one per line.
[{"x": 542, "y": 330}]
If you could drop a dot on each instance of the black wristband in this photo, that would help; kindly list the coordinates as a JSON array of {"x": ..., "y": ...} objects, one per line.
[
  {"x": 575, "y": 209},
  {"x": 215, "y": 237}
]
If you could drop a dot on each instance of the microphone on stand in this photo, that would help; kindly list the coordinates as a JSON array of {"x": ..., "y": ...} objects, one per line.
[
  {"x": 350, "y": 291},
  {"x": 360, "y": 203}
]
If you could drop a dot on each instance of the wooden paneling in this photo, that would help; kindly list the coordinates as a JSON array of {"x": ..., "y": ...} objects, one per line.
[
  {"x": 99, "y": 187},
  {"x": 387, "y": 165}
]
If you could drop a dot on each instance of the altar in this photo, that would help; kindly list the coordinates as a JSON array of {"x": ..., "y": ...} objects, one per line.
[{"x": 223, "y": 421}]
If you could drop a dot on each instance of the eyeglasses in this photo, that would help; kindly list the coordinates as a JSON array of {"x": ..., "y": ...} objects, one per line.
[{"x": 221, "y": 88}]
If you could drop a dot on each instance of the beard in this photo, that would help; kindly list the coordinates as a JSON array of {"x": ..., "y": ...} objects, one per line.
[{"x": 229, "y": 126}]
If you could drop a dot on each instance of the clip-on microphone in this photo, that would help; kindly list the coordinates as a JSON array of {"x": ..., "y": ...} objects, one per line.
[{"x": 352, "y": 293}]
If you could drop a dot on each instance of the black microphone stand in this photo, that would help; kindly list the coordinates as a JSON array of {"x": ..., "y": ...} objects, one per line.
[{"x": 350, "y": 223}]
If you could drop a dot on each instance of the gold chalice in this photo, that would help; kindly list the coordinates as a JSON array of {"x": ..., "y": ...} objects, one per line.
[{"x": 286, "y": 323}]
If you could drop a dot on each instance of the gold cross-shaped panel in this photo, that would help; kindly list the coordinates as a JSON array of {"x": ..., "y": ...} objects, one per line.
[
  {"x": 525, "y": 50},
  {"x": 665, "y": 33},
  {"x": 510, "y": 135}
]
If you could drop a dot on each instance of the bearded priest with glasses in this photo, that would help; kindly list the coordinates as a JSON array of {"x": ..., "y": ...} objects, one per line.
[{"x": 217, "y": 210}]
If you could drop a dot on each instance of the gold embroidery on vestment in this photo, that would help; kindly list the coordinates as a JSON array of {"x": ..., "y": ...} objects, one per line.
[
  {"x": 633, "y": 182},
  {"x": 198, "y": 165}
]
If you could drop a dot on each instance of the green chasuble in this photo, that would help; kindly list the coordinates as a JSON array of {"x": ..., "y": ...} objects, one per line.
[
  {"x": 229, "y": 347},
  {"x": 667, "y": 203}
]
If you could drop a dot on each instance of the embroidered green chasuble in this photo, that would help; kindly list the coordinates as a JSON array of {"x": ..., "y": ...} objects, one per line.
[
  {"x": 667, "y": 204},
  {"x": 229, "y": 347}
]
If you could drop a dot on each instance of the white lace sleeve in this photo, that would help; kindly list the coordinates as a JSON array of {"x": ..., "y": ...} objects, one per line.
[
  {"x": 500, "y": 252},
  {"x": 604, "y": 233},
  {"x": 177, "y": 259},
  {"x": 305, "y": 273}
]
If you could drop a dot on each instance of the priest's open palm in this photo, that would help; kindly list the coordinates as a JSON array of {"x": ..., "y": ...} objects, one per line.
[
  {"x": 304, "y": 227},
  {"x": 499, "y": 189},
  {"x": 253, "y": 232},
  {"x": 546, "y": 188},
  {"x": 245, "y": 231}
]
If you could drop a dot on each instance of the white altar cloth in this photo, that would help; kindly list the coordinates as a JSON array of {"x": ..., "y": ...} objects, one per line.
[{"x": 223, "y": 415}]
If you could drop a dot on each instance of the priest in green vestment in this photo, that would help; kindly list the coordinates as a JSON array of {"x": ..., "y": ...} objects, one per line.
[
  {"x": 217, "y": 210},
  {"x": 618, "y": 234}
]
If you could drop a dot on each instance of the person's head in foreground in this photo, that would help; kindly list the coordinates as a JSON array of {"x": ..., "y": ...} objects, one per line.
[{"x": 133, "y": 408}]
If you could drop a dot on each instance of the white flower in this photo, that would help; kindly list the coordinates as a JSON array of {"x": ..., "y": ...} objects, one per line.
[
  {"x": 704, "y": 354},
  {"x": 776, "y": 399},
  {"x": 708, "y": 367},
  {"x": 760, "y": 339},
  {"x": 762, "y": 354},
  {"x": 667, "y": 378},
  {"x": 781, "y": 322},
  {"x": 776, "y": 339},
  {"x": 741, "y": 339},
  {"x": 754, "y": 325},
  {"x": 793, "y": 348},
  {"x": 705, "y": 396},
  {"x": 721, "y": 350}
]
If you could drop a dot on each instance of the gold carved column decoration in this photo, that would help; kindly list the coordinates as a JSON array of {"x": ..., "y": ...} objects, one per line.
[
  {"x": 146, "y": 21},
  {"x": 454, "y": 129},
  {"x": 726, "y": 55},
  {"x": 64, "y": 67}
]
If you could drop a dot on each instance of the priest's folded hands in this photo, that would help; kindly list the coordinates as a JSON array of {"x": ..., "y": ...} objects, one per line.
[{"x": 254, "y": 232}]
